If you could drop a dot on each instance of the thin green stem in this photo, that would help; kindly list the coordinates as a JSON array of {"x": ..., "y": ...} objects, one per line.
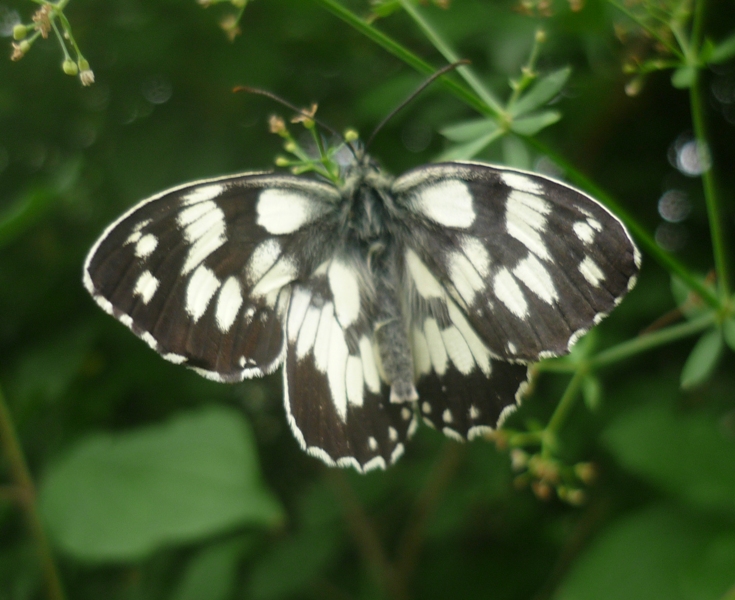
[
  {"x": 652, "y": 340},
  {"x": 452, "y": 57},
  {"x": 61, "y": 39},
  {"x": 714, "y": 212},
  {"x": 404, "y": 54},
  {"x": 562, "y": 409},
  {"x": 25, "y": 488}
]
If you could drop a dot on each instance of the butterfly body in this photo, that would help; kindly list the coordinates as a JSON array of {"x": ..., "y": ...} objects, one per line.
[{"x": 383, "y": 298}]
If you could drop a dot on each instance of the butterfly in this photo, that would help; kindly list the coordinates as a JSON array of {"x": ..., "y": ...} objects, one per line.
[{"x": 385, "y": 300}]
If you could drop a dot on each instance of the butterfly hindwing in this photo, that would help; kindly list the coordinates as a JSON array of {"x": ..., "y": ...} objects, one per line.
[
  {"x": 533, "y": 262},
  {"x": 463, "y": 390},
  {"x": 200, "y": 272},
  {"x": 335, "y": 395}
]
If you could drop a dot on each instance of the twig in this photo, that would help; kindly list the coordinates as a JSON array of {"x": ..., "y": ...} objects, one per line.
[{"x": 26, "y": 490}]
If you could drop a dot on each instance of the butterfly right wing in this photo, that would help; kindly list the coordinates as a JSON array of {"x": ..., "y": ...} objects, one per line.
[{"x": 201, "y": 272}]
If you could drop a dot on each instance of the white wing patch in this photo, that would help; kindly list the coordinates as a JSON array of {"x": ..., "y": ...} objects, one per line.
[
  {"x": 510, "y": 294},
  {"x": 146, "y": 286},
  {"x": 345, "y": 291},
  {"x": 204, "y": 228},
  {"x": 591, "y": 272},
  {"x": 284, "y": 211},
  {"x": 525, "y": 220},
  {"x": 146, "y": 245},
  {"x": 203, "y": 193},
  {"x": 519, "y": 181},
  {"x": 533, "y": 273},
  {"x": 202, "y": 286},
  {"x": 262, "y": 259},
  {"x": 229, "y": 302},
  {"x": 426, "y": 284},
  {"x": 448, "y": 203}
]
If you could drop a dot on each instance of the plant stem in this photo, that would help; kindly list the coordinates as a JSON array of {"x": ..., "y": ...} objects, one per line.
[
  {"x": 22, "y": 478},
  {"x": 452, "y": 57},
  {"x": 714, "y": 212},
  {"x": 403, "y": 54},
  {"x": 568, "y": 400},
  {"x": 651, "y": 340}
]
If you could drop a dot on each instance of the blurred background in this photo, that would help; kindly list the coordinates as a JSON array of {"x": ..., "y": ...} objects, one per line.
[{"x": 154, "y": 483}]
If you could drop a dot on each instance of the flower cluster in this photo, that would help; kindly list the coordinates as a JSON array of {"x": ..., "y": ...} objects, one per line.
[{"x": 50, "y": 17}]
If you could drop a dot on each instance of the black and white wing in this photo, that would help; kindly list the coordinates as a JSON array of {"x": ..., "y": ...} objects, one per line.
[
  {"x": 532, "y": 263},
  {"x": 201, "y": 272},
  {"x": 502, "y": 268},
  {"x": 335, "y": 392}
]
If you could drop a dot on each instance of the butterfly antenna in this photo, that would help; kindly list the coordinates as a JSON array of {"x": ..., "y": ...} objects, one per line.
[
  {"x": 416, "y": 92},
  {"x": 296, "y": 109}
]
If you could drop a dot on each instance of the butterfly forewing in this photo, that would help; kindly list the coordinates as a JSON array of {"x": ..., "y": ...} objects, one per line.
[
  {"x": 200, "y": 272},
  {"x": 532, "y": 262}
]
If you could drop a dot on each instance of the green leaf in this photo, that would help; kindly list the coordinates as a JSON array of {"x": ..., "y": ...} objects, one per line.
[
  {"x": 684, "y": 77},
  {"x": 655, "y": 554},
  {"x": 723, "y": 51},
  {"x": 702, "y": 360},
  {"x": 539, "y": 94},
  {"x": 470, "y": 149},
  {"x": 121, "y": 496},
  {"x": 212, "y": 573},
  {"x": 515, "y": 153},
  {"x": 467, "y": 131},
  {"x": 685, "y": 455},
  {"x": 728, "y": 331},
  {"x": 532, "y": 124}
]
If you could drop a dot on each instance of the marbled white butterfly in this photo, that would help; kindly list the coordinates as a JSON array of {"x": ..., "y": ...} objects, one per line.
[{"x": 383, "y": 297}]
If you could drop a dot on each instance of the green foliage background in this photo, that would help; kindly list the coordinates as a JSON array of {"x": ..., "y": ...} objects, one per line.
[{"x": 153, "y": 483}]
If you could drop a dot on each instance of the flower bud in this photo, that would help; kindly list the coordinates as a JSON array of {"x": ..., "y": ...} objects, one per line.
[
  {"x": 20, "y": 31},
  {"x": 69, "y": 67}
]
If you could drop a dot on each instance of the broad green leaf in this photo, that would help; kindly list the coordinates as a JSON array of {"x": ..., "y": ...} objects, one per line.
[
  {"x": 685, "y": 455},
  {"x": 533, "y": 123},
  {"x": 470, "y": 149},
  {"x": 117, "y": 497},
  {"x": 684, "y": 77},
  {"x": 728, "y": 331},
  {"x": 655, "y": 554},
  {"x": 541, "y": 92},
  {"x": 212, "y": 573},
  {"x": 702, "y": 360},
  {"x": 467, "y": 131},
  {"x": 723, "y": 51}
]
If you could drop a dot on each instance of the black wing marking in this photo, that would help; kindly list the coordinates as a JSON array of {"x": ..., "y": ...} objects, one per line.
[
  {"x": 201, "y": 272},
  {"x": 533, "y": 262},
  {"x": 335, "y": 395}
]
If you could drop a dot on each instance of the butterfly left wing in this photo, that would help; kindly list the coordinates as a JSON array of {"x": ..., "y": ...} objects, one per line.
[
  {"x": 532, "y": 262},
  {"x": 201, "y": 272},
  {"x": 335, "y": 394}
]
